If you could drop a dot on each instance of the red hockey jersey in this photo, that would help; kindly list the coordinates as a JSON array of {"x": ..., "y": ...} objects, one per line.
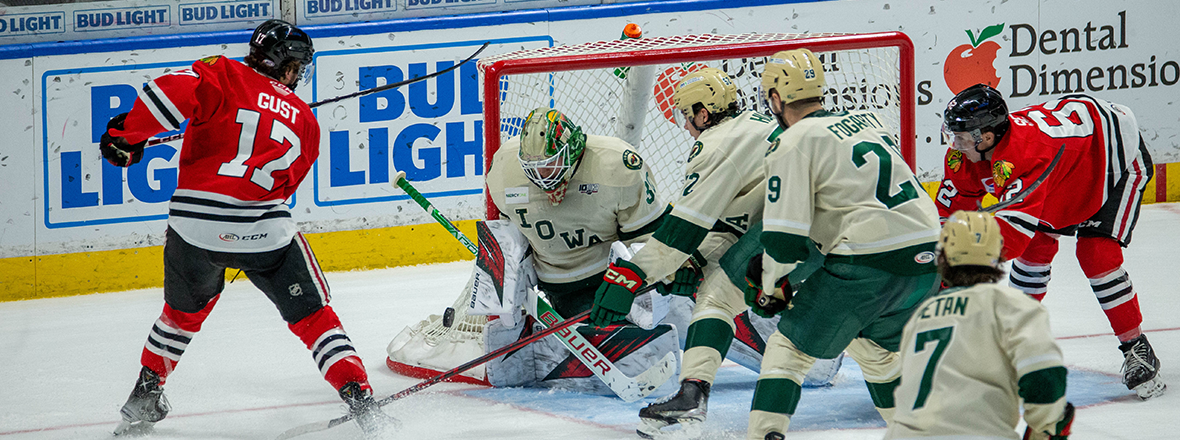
[
  {"x": 1101, "y": 142},
  {"x": 249, "y": 143}
]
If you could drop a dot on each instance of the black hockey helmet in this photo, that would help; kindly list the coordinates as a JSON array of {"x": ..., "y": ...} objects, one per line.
[
  {"x": 275, "y": 44},
  {"x": 975, "y": 110}
]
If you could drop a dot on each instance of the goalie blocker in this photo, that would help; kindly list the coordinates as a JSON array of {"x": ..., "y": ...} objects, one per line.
[{"x": 502, "y": 284}]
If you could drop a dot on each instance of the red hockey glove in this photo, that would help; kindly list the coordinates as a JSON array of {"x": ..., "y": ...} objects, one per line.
[
  {"x": 762, "y": 303},
  {"x": 613, "y": 299},
  {"x": 115, "y": 149}
]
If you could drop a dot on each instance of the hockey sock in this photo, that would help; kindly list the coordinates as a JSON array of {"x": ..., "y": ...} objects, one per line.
[
  {"x": 1101, "y": 259},
  {"x": 170, "y": 336},
  {"x": 331, "y": 349},
  {"x": 1031, "y": 272},
  {"x": 705, "y": 347}
]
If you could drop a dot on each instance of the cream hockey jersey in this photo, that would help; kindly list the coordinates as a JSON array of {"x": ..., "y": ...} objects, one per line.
[
  {"x": 723, "y": 191},
  {"x": 839, "y": 179},
  {"x": 611, "y": 196},
  {"x": 968, "y": 357}
]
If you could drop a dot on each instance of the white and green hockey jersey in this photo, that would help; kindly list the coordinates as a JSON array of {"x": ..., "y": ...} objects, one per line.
[
  {"x": 839, "y": 179},
  {"x": 611, "y": 196},
  {"x": 723, "y": 191},
  {"x": 968, "y": 356}
]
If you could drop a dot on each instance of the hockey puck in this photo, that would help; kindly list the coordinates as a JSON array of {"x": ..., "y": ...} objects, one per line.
[{"x": 448, "y": 317}]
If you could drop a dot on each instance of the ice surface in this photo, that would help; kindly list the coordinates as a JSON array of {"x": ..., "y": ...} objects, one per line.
[{"x": 67, "y": 365}]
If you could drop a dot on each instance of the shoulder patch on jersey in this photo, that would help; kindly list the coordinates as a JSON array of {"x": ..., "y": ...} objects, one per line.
[
  {"x": 588, "y": 188},
  {"x": 696, "y": 150},
  {"x": 954, "y": 160},
  {"x": 210, "y": 60},
  {"x": 631, "y": 160},
  {"x": 1001, "y": 171}
]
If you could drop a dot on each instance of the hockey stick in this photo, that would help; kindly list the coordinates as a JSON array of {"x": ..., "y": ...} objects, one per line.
[
  {"x": 1020, "y": 196},
  {"x": 383, "y": 88},
  {"x": 627, "y": 388},
  {"x": 320, "y": 426}
]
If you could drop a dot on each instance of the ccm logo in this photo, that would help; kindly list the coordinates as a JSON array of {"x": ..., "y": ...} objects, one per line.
[
  {"x": 230, "y": 237},
  {"x": 618, "y": 278}
]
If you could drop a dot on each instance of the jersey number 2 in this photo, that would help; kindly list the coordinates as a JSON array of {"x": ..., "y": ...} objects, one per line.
[
  {"x": 884, "y": 173},
  {"x": 943, "y": 336},
  {"x": 279, "y": 132}
]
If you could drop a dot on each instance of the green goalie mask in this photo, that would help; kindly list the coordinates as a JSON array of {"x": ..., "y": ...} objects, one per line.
[{"x": 550, "y": 147}]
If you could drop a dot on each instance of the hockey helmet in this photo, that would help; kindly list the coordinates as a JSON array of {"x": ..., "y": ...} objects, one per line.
[
  {"x": 712, "y": 88},
  {"x": 971, "y": 112},
  {"x": 550, "y": 147},
  {"x": 795, "y": 74},
  {"x": 276, "y": 43},
  {"x": 971, "y": 238}
]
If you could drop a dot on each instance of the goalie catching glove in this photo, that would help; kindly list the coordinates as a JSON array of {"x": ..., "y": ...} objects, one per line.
[
  {"x": 613, "y": 299},
  {"x": 765, "y": 304},
  {"x": 1060, "y": 429},
  {"x": 115, "y": 149}
]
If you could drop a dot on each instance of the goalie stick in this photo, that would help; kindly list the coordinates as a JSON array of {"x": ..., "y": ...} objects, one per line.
[
  {"x": 627, "y": 388},
  {"x": 1020, "y": 196},
  {"x": 383, "y": 88},
  {"x": 320, "y": 426}
]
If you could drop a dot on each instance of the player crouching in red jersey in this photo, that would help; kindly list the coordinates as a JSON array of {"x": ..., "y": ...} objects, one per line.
[
  {"x": 1093, "y": 192},
  {"x": 249, "y": 143}
]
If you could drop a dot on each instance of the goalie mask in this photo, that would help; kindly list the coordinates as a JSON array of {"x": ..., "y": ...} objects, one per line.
[
  {"x": 713, "y": 89},
  {"x": 795, "y": 74},
  {"x": 971, "y": 238},
  {"x": 550, "y": 148},
  {"x": 275, "y": 45}
]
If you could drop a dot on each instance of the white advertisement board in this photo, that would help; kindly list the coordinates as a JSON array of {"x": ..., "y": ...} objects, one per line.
[{"x": 1031, "y": 51}]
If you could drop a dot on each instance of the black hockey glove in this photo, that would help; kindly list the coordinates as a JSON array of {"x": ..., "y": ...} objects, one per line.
[
  {"x": 115, "y": 149},
  {"x": 687, "y": 279},
  {"x": 762, "y": 303}
]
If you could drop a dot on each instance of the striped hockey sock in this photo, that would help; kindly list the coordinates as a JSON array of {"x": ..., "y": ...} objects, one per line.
[{"x": 331, "y": 349}]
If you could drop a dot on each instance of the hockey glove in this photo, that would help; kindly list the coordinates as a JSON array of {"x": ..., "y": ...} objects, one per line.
[
  {"x": 1061, "y": 428},
  {"x": 687, "y": 279},
  {"x": 762, "y": 303},
  {"x": 115, "y": 149},
  {"x": 613, "y": 299}
]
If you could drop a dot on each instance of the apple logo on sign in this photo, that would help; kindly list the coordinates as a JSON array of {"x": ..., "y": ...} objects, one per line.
[{"x": 971, "y": 64}]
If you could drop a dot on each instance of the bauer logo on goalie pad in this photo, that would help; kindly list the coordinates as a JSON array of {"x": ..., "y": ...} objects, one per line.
[{"x": 516, "y": 195}]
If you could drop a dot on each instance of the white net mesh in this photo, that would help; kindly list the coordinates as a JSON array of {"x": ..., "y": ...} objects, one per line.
[{"x": 624, "y": 88}]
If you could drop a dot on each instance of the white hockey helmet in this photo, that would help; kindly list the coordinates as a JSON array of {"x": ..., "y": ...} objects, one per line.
[
  {"x": 711, "y": 87},
  {"x": 795, "y": 74},
  {"x": 971, "y": 238},
  {"x": 550, "y": 147}
]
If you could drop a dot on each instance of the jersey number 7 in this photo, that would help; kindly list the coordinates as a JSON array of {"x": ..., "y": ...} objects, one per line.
[{"x": 943, "y": 336}]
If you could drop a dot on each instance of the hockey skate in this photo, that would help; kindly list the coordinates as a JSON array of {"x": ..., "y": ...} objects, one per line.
[
  {"x": 687, "y": 408},
  {"x": 146, "y": 405},
  {"x": 1141, "y": 368},
  {"x": 364, "y": 409}
]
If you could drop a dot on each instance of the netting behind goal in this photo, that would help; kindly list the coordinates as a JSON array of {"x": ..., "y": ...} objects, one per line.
[{"x": 624, "y": 88}]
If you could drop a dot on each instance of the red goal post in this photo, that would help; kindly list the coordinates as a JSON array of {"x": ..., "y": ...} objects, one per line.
[{"x": 873, "y": 71}]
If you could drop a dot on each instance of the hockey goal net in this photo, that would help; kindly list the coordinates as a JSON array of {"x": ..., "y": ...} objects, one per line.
[{"x": 623, "y": 88}]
